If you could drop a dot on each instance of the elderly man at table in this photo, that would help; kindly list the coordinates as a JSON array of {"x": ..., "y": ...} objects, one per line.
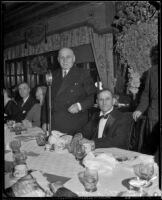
[
  {"x": 29, "y": 109},
  {"x": 72, "y": 95},
  {"x": 108, "y": 127}
]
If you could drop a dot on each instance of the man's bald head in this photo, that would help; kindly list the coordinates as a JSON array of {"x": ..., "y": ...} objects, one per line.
[{"x": 66, "y": 58}]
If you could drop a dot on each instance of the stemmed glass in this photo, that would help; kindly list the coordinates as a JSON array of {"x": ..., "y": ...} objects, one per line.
[{"x": 144, "y": 171}]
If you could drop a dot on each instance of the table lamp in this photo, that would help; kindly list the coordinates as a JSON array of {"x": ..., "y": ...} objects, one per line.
[{"x": 49, "y": 83}]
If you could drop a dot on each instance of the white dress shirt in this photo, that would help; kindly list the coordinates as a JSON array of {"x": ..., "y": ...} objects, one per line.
[
  {"x": 64, "y": 72},
  {"x": 102, "y": 123},
  {"x": 24, "y": 100}
]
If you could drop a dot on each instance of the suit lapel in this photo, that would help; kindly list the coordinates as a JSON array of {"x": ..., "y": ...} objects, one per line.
[
  {"x": 95, "y": 131},
  {"x": 57, "y": 83},
  {"x": 110, "y": 121},
  {"x": 70, "y": 78}
]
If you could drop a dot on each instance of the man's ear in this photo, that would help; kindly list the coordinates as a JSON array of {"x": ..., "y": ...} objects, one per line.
[
  {"x": 73, "y": 58},
  {"x": 114, "y": 100}
]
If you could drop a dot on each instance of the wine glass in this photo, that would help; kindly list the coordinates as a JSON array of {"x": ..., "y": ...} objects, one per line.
[{"x": 144, "y": 171}]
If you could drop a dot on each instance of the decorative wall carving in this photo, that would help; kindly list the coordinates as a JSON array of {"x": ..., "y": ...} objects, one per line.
[{"x": 35, "y": 33}]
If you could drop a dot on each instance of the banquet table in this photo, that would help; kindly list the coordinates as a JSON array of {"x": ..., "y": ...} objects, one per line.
[{"x": 53, "y": 166}]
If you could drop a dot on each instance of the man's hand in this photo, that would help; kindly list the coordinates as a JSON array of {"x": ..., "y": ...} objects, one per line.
[
  {"x": 136, "y": 114},
  {"x": 44, "y": 127},
  {"x": 73, "y": 108},
  {"x": 88, "y": 144}
]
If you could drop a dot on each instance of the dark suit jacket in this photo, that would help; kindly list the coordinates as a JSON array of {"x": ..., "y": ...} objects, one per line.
[
  {"x": 116, "y": 132},
  {"x": 11, "y": 109},
  {"x": 23, "y": 110},
  {"x": 77, "y": 86},
  {"x": 149, "y": 98}
]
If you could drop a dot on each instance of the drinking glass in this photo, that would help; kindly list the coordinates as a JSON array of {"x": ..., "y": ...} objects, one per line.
[
  {"x": 20, "y": 158},
  {"x": 15, "y": 146},
  {"x": 41, "y": 139},
  {"x": 144, "y": 171},
  {"x": 80, "y": 152},
  {"x": 89, "y": 179}
]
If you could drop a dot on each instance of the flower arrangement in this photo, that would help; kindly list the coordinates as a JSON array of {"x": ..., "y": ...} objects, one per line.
[
  {"x": 39, "y": 65},
  {"x": 134, "y": 82},
  {"x": 136, "y": 25}
]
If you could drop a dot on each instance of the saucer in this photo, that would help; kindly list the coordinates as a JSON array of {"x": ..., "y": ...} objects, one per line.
[
  {"x": 138, "y": 183},
  {"x": 135, "y": 184}
]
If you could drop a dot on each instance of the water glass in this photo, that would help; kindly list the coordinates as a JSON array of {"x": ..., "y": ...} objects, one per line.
[
  {"x": 41, "y": 139},
  {"x": 89, "y": 179},
  {"x": 15, "y": 146},
  {"x": 144, "y": 171},
  {"x": 20, "y": 158},
  {"x": 80, "y": 152}
]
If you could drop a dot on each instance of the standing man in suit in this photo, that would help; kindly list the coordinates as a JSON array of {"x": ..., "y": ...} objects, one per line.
[
  {"x": 26, "y": 103},
  {"x": 72, "y": 95},
  {"x": 108, "y": 127},
  {"x": 150, "y": 101}
]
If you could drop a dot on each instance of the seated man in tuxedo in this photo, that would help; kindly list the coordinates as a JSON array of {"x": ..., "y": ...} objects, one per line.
[
  {"x": 108, "y": 127},
  {"x": 26, "y": 103}
]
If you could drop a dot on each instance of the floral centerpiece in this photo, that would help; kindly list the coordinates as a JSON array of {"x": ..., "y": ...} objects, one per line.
[
  {"x": 136, "y": 25},
  {"x": 39, "y": 65}
]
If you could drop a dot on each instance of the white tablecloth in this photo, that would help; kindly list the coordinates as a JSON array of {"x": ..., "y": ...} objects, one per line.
[{"x": 64, "y": 164}]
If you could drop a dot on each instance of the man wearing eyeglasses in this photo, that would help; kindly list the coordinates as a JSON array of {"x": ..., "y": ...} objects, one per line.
[{"x": 72, "y": 95}]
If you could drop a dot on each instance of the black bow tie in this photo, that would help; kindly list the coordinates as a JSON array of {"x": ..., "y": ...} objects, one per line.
[{"x": 104, "y": 116}]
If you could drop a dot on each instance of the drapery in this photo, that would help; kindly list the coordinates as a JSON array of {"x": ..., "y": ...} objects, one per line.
[{"x": 102, "y": 46}]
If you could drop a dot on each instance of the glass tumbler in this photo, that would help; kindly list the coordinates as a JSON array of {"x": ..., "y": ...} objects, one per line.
[
  {"x": 20, "y": 158},
  {"x": 15, "y": 146},
  {"x": 89, "y": 179}
]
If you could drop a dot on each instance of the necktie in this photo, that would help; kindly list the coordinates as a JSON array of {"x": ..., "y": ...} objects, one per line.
[
  {"x": 104, "y": 116},
  {"x": 64, "y": 73}
]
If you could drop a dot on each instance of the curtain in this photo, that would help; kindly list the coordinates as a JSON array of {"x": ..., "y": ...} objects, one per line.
[
  {"x": 71, "y": 38},
  {"x": 102, "y": 46}
]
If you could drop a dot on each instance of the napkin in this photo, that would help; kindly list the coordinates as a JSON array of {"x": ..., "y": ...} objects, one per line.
[
  {"x": 104, "y": 163},
  {"x": 26, "y": 186},
  {"x": 140, "y": 159},
  {"x": 59, "y": 139}
]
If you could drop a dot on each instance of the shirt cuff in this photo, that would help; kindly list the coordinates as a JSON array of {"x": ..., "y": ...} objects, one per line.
[{"x": 79, "y": 106}]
